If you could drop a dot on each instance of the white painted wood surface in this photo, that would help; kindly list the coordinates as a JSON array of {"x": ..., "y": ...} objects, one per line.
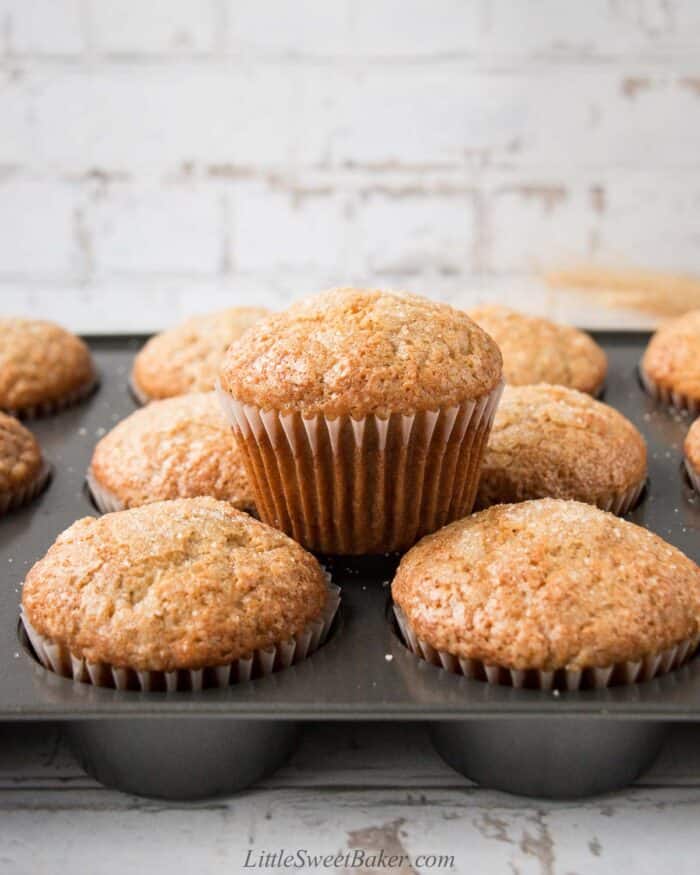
[{"x": 366, "y": 786}]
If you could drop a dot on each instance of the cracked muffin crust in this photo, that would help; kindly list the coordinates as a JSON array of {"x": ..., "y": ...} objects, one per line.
[
  {"x": 671, "y": 362},
  {"x": 176, "y": 448},
  {"x": 691, "y": 447},
  {"x": 540, "y": 351},
  {"x": 187, "y": 358},
  {"x": 362, "y": 351},
  {"x": 43, "y": 367},
  {"x": 23, "y": 470},
  {"x": 546, "y": 585},
  {"x": 553, "y": 442},
  {"x": 174, "y": 585}
]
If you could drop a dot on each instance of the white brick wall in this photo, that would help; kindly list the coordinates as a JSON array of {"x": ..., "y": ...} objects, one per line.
[{"x": 164, "y": 157}]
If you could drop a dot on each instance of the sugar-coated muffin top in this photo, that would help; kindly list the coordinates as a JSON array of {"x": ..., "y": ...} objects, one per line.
[
  {"x": 40, "y": 363},
  {"x": 672, "y": 359},
  {"x": 539, "y": 351},
  {"x": 692, "y": 445},
  {"x": 180, "y": 447},
  {"x": 20, "y": 455},
  {"x": 176, "y": 584},
  {"x": 187, "y": 358},
  {"x": 548, "y": 584},
  {"x": 360, "y": 352},
  {"x": 553, "y": 442}
]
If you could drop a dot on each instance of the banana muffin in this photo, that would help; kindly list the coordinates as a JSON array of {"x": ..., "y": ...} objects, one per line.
[
  {"x": 23, "y": 471},
  {"x": 177, "y": 448},
  {"x": 549, "y": 593},
  {"x": 363, "y": 417},
  {"x": 187, "y": 358},
  {"x": 174, "y": 595},
  {"x": 539, "y": 351},
  {"x": 670, "y": 368},
  {"x": 554, "y": 442},
  {"x": 692, "y": 454},
  {"x": 43, "y": 368}
]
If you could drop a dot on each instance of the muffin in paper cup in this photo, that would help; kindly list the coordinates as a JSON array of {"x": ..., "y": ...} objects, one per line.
[
  {"x": 548, "y": 594},
  {"x": 363, "y": 417},
  {"x": 23, "y": 470},
  {"x": 43, "y": 368},
  {"x": 176, "y": 595},
  {"x": 537, "y": 350},
  {"x": 180, "y": 447},
  {"x": 691, "y": 449},
  {"x": 186, "y": 358},
  {"x": 670, "y": 367},
  {"x": 553, "y": 442}
]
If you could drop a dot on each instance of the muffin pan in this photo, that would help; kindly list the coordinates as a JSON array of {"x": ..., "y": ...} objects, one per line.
[{"x": 184, "y": 745}]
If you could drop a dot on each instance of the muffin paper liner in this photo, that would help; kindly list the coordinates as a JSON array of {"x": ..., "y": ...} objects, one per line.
[
  {"x": 139, "y": 395},
  {"x": 49, "y": 408},
  {"x": 667, "y": 396},
  {"x": 57, "y": 658},
  {"x": 105, "y": 501},
  {"x": 645, "y": 669},
  {"x": 622, "y": 502},
  {"x": 363, "y": 486},
  {"x": 10, "y": 500},
  {"x": 693, "y": 475}
]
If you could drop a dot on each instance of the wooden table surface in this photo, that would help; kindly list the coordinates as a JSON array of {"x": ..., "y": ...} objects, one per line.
[{"x": 373, "y": 787}]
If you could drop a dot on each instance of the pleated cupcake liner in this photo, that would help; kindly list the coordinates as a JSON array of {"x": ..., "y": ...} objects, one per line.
[
  {"x": 363, "y": 486},
  {"x": 56, "y": 657},
  {"x": 138, "y": 394},
  {"x": 651, "y": 666},
  {"x": 667, "y": 396},
  {"x": 105, "y": 501},
  {"x": 13, "y": 499},
  {"x": 50, "y": 408},
  {"x": 693, "y": 474},
  {"x": 623, "y": 502}
]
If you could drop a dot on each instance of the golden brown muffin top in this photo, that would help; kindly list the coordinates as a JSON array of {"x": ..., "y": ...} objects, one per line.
[
  {"x": 40, "y": 362},
  {"x": 672, "y": 359},
  {"x": 692, "y": 445},
  {"x": 176, "y": 584},
  {"x": 548, "y": 584},
  {"x": 553, "y": 442},
  {"x": 177, "y": 448},
  {"x": 539, "y": 351},
  {"x": 187, "y": 358},
  {"x": 362, "y": 351},
  {"x": 20, "y": 455}
]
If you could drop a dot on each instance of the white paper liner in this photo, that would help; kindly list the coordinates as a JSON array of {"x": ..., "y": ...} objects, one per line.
[
  {"x": 49, "y": 408},
  {"x": 667, "y": 396},
  {"x": 11, "y": 500},
  {"x": 693, "y": 475},
  {"x": 623, "y": 502},
  {"x": 57, "y": 658},
  {"x": 139, "y": 395},
  {"x": 645, "y": 669},
  {"x": 310, "y": 475}
]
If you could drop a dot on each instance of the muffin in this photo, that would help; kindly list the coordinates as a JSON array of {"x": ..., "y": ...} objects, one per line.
[
  {"x": 692, "y": 454},
  {"x": 539, "y": 351},
  {"x": 547, "y": 594},
  {"x": 43, "y": 368},
  {"x": 554, "y": 442},
  {"x": 363, "y": 416},
  {"x": 174, "y": 595},
  {"x": 187, "y": 358},
  {"x": 23, "y": 471},
  {"x": 670, "y": 368},
  {"x": 177, "y": 448}
]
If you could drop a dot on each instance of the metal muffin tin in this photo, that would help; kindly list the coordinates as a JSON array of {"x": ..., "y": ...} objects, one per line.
[{"x": 187, "y": 745}]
